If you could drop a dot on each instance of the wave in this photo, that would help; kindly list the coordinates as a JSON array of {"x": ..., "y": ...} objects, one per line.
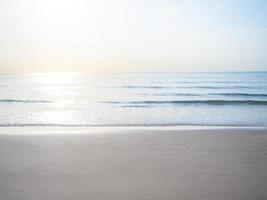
[
  {"x": 222, "y": 87},
  {"x": 205, "y": 102},
  {"x": 139, "y": 87},
  {"x": 193, "y": 87},
  {"x": 240, "y": 94},
  {"x": 209, "y": 81},
  {"x": 23, "y": 101},
  {"x": 171, "y": 94},
  {"x": 128, "y": 125},
  {"x": 197, "y": 95}
]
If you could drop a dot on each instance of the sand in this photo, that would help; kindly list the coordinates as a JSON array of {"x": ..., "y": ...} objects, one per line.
[{"x": 133, "y": 164}]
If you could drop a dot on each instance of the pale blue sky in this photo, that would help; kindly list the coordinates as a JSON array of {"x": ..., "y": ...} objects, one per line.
[
  {"x": 132, "y": 36},
  {"x": 233, "y": 13}
]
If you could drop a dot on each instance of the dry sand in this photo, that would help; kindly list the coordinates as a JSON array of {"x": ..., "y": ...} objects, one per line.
[{"x": 133, "y": 164}]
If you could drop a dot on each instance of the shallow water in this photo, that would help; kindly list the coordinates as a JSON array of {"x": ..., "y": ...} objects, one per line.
[{"x": 236, "y": 99}]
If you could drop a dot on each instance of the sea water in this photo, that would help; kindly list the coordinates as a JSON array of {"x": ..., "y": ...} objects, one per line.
[{"x": 161, "y": 99}]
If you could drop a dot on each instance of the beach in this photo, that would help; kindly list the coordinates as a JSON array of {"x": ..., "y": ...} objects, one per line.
[
  {"x": 133, "y": 100},
  {"x": 46, "y": 163}
]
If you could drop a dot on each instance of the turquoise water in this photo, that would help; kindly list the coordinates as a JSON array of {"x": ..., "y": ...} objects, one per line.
[{"x": 234, "y": 99}]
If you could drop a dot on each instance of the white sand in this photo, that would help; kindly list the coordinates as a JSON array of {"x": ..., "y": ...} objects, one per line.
[{"x": 132, "y": 164}]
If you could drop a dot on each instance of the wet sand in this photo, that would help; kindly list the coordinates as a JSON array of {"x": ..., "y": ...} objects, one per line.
[{"x": 133, "y": 164}]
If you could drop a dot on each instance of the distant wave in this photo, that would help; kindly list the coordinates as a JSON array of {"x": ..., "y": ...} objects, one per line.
[
  {"x": 192, "y": 87},
  {"x": 240, "y": 94},
  {"x": 219, "y": 94},
  {"x": 194, "y": 82},
  {"x": 23, "y": 101},
  {"x": 126, "y": 125},
  {"x": 222, "y": 87},
  {"x": 207, "y": 102},
  {"x": 171, "y": 94},
  {"x": 138, "y": 87}
]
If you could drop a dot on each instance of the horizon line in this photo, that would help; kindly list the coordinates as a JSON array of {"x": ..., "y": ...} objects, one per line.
[{"x": 117, "y": 73}]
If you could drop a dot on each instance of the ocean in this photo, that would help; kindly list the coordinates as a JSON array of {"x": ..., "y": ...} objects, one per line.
[{"x": 160, "y": 99}]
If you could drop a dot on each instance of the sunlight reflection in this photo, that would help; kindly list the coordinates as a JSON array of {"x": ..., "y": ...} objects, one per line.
[
  {"x": 61, "y": 88},
  {"x": 57, "y": 117},
  {"x": 54, "y": 78}
]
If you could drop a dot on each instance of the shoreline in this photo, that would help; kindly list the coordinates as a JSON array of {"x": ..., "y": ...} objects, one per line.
[{"x": 103, "y": 129}]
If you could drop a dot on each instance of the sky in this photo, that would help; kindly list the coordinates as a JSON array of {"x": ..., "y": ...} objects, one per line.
[{"x": 120, "y": 36}]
